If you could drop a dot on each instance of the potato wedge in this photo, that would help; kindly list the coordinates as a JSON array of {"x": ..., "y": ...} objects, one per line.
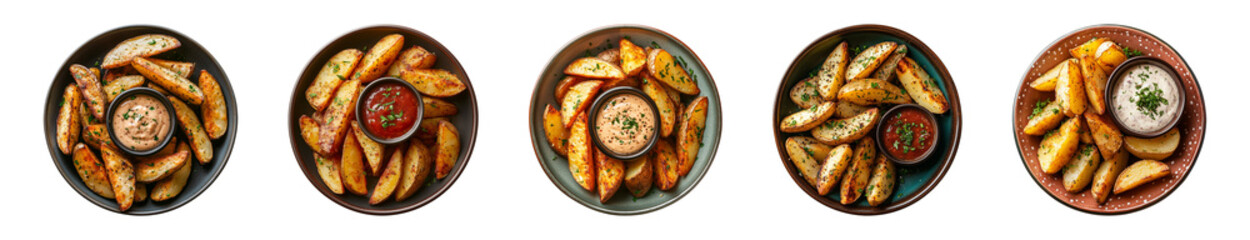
[
  {"x": 806, "y": 119},
  {"x": 1139, "y": 173},
  {"x": 662, "y": 66},
  {"x": 435, "y": 107},
  {"x": 378, "y": 60},
  {"x": 868, "y": 60},
  {"x": 557, "y": 135},
  {"x": 84, "y": 115},
  {"x": 433, "y": 82},
  {"x": 1160, "y": 147},
  {"x": 448, "y": 149},
  {"x": 1080, "y": 170},
  {"x": 311, "y": 131},
  {"x": 845, "y": 130},
  {"x": 389, "y": 180},
  {"x": 611, "y": 174},
  {"x": 882, "y": 182},
  {"x": 214, "y": 108},
  {"x": 200, "y": 144},
  {"x": 633, "y": 58},
  {"x": 171, "y": 186},
  {"x": 581, "y": 154},
  {"x": 330, "y": 173},
  {"x": 352, "y": 167},
  {"x": 1104, "y": 178},
  {"x": 1109, "y": 55},
  {"x": 1086, "y": 138},
  {"x": 334, "y": 119},
  {"x": 170, "y": 80},
  {"x": 634, "y": 82},
  {"x": 819, "y": 151},
  {"x": 856, "y": 177},
  {"x": 638, "y": 176},
  {"x": 845, "y": 109},
  {"x": 1047, "y": 81},
  {"x": 804, "y": 162},
  {"x": 415, "y": 57},
  {"x": 121, "y": 176},
  {"x": 159, "y": 168},
  {"x": 833, "y": 72},
  {"x": 594, "y": 68},
  {"x": 839, "y": 158},
  {"x": 90, "y": 89},
  {"x": 1070, "y": 91},
  {"x": 183, "y": 69},
  {"x": 141, "y": 193},
  {"x": 159, "y": 89},
  {"x": 690, "y": 135},
  {"x": 1095, "y": 84},
  {"x": 139, "y": 46},
  {"x": 577, "y": 100},
  {"x": 664, "y": 159},
  {"x": 427, "y": 130},
  {"x": 336, "y": 70},
  {"x": 121, "y": 84},
  {"x": 1046, "y": 118},
  {"x": 418, "y": 164},
  {"x": 92, "y": 171},
  {"x": 886, "y": 70},
  {"x": 1057, "y": 147},
  {"x": 612, "y": 56},
  {"x": 921, "y": 87},
  {"x": 871, "y": 91},
  {"x": 663, "y": 103},
  {"x": 805, "y": 94},
  {"x": 567, "y": 82},
  {"x": 67, "y": 123},
  {"x": 374, "y": 151},
  {"x": 1106, "y": 135}
]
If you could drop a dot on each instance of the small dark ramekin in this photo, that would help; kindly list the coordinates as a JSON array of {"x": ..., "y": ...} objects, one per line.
[
  {"x": 360, "y": 108},
  {"x": 880, "y": 129},
  {"x": 1113, "y": 81},
  {"x": 169, "y": 107},
  {"x": 598, "y": 106}
]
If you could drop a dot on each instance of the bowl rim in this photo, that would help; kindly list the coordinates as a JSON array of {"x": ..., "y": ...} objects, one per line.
[
  {"x": 594, "y": 114},
  {"x": 169, "y": 107},
  {"x": 1025, "y": 163},
  {"x": 952, "y": 96},
  {"x": 877, "y": 131},
  {"x": 310, "y": 171},
  {"x": 1112, "y": 82},
  {"x": 714, "y": 94},
  {"x": 360, "y": 108}
]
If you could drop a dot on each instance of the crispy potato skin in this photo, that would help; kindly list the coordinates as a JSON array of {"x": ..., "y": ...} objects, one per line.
[
  {"x": 92, "y": 171},
  {"x": 805, "y": 94},
  {"x": 374, "y": 151},
  {"x": 921, "y": 87},
  {"x": 1070, "y": 91},
  {"x": 183, "y": 69},
  {"x": 1105, "y": 134},
  {"x": 806, "y": 165},
  {"x": 594, "y": 68},
  {"x": 352, "y": 167},
  {"x": 578, "y": 99},
  {"x": 662, "y": 66},
  {"x": 433, "y": 82},
  {"x": 1080, "y": 170},
  {"x": 557, "y": 135},
  {"x": 90, "y": 89},
  {"x": 839, "y": 158},
  {"x": 334, "y": 119},
  {"x": 871, "y": 91},
  {"x": 378, "y": 60},
  {"x": 1139, "y": 173},
  {"x": 1057, "y": 148},
  {"x": 845, "y": 130},
  {"x": 581, "y": 156},
  {"x": 389, "y": 179},
  {"x": 214, "y": 109},
  {"x": 633, "y": 58},
  {"x": 170, "y": 187},
  {"x": 868, "y": 60},
  {"x": 659, "y": 94},
  {"x": 202, "y": 146},
  {"x": 1049, "y": 118},
  {"x": 882, "y": 182},
  {"x": 1105, "y": 176},
  {"x": 336, "y": 70},
  {"x": 807, "y": 119},
  {"x": 638, "y": 176},
  {"x": 310, "y": 130},
  {"x": 1095, "y": 80},
  {"x": 121, "y": 175},
  {"x": 664, "y": 158},
  {"x": 169, "y": 80},
  {"x": 611, "y": 174},
  {"x": 448, "y": 150},
  {"x": 418, "y": 163},
  {"x": 159, "y": 168},
  {"x": 833, "y": 72},
  {"x": 415, "y": 57},
  {"x": 329, "y": 170},
  {"x": 856, "y": 177},
  {"x": 139, "y": 46},
  {"x": 435, "y": 107},
  {"x": 690, "y": 135},
  {"x": 1160, "y": 147},
  {"x": 67, "y": 123}
]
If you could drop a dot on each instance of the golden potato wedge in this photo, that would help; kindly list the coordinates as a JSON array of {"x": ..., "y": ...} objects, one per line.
[
  {"x": 92, "y": 171},
  {"x": 336, "y": 70},
  {"x": 448, "y": 149},
  {"x": 577, "y": 100},
  {"x": 183, "y": 69},
  {"x": 887, "y": 68},
  {"x": 90, "y": 89},
  {"x": 567, "y": 82},
  {"x": 214, "y": 108},
  {"x": 160, "y": 89},
  {"x": 805, "y": 94},
  {"x": 871, "y": 91},
  {"x": 690, "y": 135},
  {"x": 868, "y": 60},
  {"x": 635, "y": 82},
  {"x": 158, "y": 168},
  {"x": 433, "y": 82},
  {"x": 415, "y": 57},
  {"x": 1088, "y": 48},
  {"x": 806, "y": 119},
  {"x": 1046, "y": 116},
  {"x": 845, "y": 130},
  {"x": 581, "y": 155},
  {"x": 632, "y": 58},
  {"x": 352, "y": 167},
  {"x": 1095, "y": 84},
  {"x": 141, "y": 193},
  {"x": 819, "y": 151},
  {"x": 200, "y": 144},
  {"x": 856, "y": 177},
  {"x": 1070, "y": 91},
  {"x": 1086, "y": 138},
  {"x": 845, "y": 109},
  {"x": 1080, "y": 170},
  {"x": 427, "y": 130},
  {"x": 121, "y": 84},
  {"x": 139, "y": 46},
  {"x": 804, "y": 162},
  {"x": 67, "y": 123},
  {"x": 920, "y": 87},
  {"x": 1140, "y": 172},
  {"x": 638, "y": 176},
  {"x": 611, "y": 174},
  {"x": 310, "y": 130},
  {"x": 882, "y": 182},
  {"x": 389, "y": 180},
  {"x": 84, "y": 115},
  {"x": 170, "y": 80},
  {"x": 1046, "y": 82},
  {"x": 832, "y": 72},
  {"x": 1160, "y": 147},
  {"x": 594, "y": 68},
  {"x": 664, "y": 158},
  {"x": 374, "y": 152},
  {"x": 170, "y": 187},
  {"x": 612, "y": 56},
  {"x": 1105, "y": 134},
  {"x": 330, "y": 173},
  {"x": 557, "y": 135},
  {"x": 1057, "y": 147},
  {"x": 435, "y": 107},
  {"x": 121, "y": 176},
  {"x": 662, "y": 66},
  {"x": 418, "y": 164},
  {"x": 378, "y": 60},
  {"x": 663, "y": 103},
  {"x": 1109, "y": 56},
  {"x": 1104, "y": 178},
  {"x": 839, "y": 158},
  {"x": 334, "y": 119}
]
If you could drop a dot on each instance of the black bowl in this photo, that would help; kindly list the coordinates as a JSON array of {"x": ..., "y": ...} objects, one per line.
[
  {"x": 169, "y": 107},
  {"x": 594, "y": 114},
  {"x": 360, "y": 108},
  {"x": 881, "y": 144},
  {"x": 1113, "y": 81}
]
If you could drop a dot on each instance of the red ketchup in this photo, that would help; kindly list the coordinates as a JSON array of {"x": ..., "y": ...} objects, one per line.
[
  {"x": 390, "y": 110},
  {"x": 908, "y": 134}
]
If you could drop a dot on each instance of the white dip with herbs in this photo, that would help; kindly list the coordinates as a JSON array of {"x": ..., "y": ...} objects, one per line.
[{"x": 1146, "y": 99}]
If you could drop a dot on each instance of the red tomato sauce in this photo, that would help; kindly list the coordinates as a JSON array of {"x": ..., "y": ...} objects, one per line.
[
  {"x": 390, "y": 110},
  {"x": 908, "y": 134}
]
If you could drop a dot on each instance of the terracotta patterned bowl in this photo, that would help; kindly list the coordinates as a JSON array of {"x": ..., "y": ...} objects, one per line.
[{"x": 1192, "y": 123}]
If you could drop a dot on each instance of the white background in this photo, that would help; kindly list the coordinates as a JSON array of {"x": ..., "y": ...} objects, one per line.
[{"x": 263, "y": 46}]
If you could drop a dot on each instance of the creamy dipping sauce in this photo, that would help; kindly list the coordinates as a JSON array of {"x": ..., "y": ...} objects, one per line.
[
  {"x": 1146, "y": 99},
  {"x": 140, "y": 122},
  {"x": 625, "y": 124}
]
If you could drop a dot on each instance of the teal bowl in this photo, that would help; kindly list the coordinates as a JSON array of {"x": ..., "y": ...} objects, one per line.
[
  {"x": 914, "y": 181},
  {"x": 556, "y": 166}
]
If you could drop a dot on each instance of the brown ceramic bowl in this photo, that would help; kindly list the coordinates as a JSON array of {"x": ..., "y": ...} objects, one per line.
[
  {"x": 1113, "y": 82},
  {"x": 1192, "y": 122}
]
